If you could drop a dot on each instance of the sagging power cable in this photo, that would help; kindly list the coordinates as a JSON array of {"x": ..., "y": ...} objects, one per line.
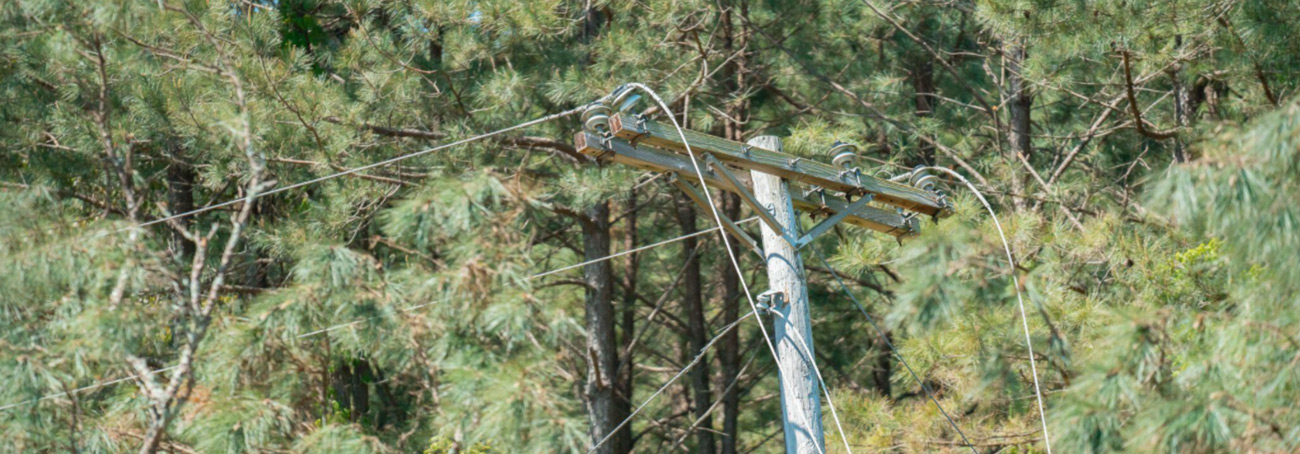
[
  {"x": 1011, "y": 263},
  {"x": 331, "y": 176}
]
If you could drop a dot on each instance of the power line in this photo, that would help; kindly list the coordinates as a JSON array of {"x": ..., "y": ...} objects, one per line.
[
  {"x": 332, "y": 176},
  {"x": 661, "y": 389},
  {"x": 295, "y": 186},
  {"x": 358, "y": 169},
  {"x": 1024, "y": 319},
  {"x": 633, "y": 251},
  {"x": 884, "y": 337},
  {"x": 89, "y": 387},
  {"x": 98, "y": 385}
]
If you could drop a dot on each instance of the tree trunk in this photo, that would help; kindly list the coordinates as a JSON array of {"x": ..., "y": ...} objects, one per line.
[
  {"x": 921, "y": 75},
  {"x": 884, "y": 368},
  {"x": 624, "y": 380},
  {"x": 180, "y": 199},
  {"x": 1018, "y": 107},
  {"x": 603, "y": 403},
  {"x": 735, "y": 82},
  {"x": 602, "y": 352},
  {"x": 693, "y": 302},
  {"x": 1182, "y": 104},
  {"x": 729, "y": 348}
]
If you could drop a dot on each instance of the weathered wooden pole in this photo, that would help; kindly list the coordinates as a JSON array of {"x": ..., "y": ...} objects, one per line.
[{"x": 800, "y": 391}]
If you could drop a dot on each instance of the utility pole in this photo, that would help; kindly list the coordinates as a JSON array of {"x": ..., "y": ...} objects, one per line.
[
  {"x": 776, "y": 188},
  {"x": 800, "y": 392}
]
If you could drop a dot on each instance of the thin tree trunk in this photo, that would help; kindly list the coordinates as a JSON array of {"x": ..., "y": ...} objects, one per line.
[
  {"x": 884, "y": 368},
  {"x": 1018, "y": 107},
  {"x": 602, "y": 351},
  {"x": 628, "y": 329},
  {"x": 1182, "y": 104},
  {"x": 693, "y": 302},
  {"x": 734, "y": 80},
  {"x": 921, "y": 75},
  {"x": 180, "y": 199},
  {"x": 604, "y": 408}
]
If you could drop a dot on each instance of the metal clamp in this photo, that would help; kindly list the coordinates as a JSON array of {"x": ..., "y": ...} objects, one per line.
[{"x": 769, "y": 301}]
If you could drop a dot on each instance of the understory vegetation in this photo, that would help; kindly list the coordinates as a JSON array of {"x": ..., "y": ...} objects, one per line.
[{"x": 1142, "y": 157}]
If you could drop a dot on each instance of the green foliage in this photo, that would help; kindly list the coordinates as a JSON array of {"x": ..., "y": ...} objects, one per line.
[{"x": 394, "y": 310}]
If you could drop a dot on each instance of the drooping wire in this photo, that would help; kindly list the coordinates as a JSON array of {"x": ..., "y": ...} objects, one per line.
[
  {"x": 885, "y": 337},
  {"x": 812, "y": 361},
  {"x": 1024, "y": 319},
  {"x": 717, "y": 218},
  {"x": 90, "y": 387},
  {"x": 286, "y": 188},
  {"x": 332, "y": 176},
  {"x": 661, "y": 389},
  {"x": 98, "y": 385},
  {"x": 633, "y": 251},
  {"x": 343, "y": 173}
]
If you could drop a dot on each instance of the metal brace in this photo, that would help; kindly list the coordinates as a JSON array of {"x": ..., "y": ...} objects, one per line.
[
  {"x": 764, "y": 213},
  {"x": 727, "y": 224},
  {"x": 827, "y": 223}
]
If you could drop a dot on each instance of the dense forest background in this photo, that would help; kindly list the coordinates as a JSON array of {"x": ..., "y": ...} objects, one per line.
[{"x": 1143, "y": 156}]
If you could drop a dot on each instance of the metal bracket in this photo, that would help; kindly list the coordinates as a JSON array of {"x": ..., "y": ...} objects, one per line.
[
  {"x": 769, "y": 301},
  {"x": 827, "y": 223},
  {"x": 727, "y": 224},
  {"x": 763, "y": 212}
]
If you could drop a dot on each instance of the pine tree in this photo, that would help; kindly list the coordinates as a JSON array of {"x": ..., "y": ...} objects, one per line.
[{"x": 1141, "y": 156}]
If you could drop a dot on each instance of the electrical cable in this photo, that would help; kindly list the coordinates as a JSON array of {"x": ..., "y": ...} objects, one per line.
[
  {"x": 1024, "y": 319},
  {"x": 884, "y": 337},
  {"x": 331, "y": 176},
  {"x": 355, "y": 322},
  {"x": 358, "y": 169},
  {"x": 717, "y": 218},
  {"x": 89, "y": 387},
  {"x": 633, "y": 251},
  {"x": 294, "y": 186},
  {"x": 670, "y": 382},
  {"x": 826, "y": 388}
]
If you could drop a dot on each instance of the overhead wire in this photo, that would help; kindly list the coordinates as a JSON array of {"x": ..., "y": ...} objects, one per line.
[
  {"x": 885, "y": 337},
  {"x": 343, "y": 173},
  {"x": 339, "y": 174},
  {"x": 1024, "y": 319},
  {"x": 363, "y": 320},
  {"x": 332, "y": 176},
  {"x": 717, "y": 218},
  {"x": 661, "y": 389}
]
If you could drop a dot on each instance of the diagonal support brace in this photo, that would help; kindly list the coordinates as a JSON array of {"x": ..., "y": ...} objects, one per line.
[
  {"x": 727, "y": 224},
  {"x": 746, "y": 196},
  {"x": 827, "y": 223}
]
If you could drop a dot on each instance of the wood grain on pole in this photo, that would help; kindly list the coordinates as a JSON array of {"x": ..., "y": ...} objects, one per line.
[{"x": 800, "y": 391}]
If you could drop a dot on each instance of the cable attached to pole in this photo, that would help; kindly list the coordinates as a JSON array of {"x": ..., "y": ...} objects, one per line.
[
  {"x": 717, "y": 218},
  {"x": 1024, "y": 319}
]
